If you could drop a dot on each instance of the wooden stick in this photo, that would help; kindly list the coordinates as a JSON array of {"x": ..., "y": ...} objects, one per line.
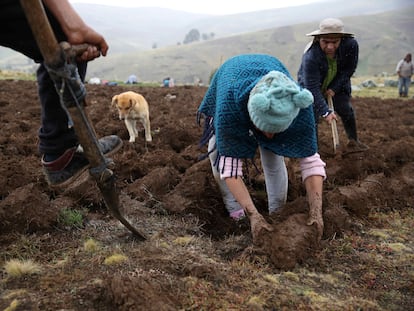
[{"x": 334, "y": 128}]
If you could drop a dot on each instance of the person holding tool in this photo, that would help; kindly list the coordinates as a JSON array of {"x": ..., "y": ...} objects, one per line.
[
  {"x": 327, "y": 66},
  {"x": 62, "y": 159}
]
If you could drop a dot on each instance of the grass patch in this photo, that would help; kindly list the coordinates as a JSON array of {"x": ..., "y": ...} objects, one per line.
[
  {"x": 379, "y": 91},
  {"x": 115, "y": 259},
  {"x": 16, "y": 75},
  {"x": 71, "y": 218},
  {"x": 18, "y": 268}
]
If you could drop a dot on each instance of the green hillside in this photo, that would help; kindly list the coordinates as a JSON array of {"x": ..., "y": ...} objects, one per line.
[{"x": 384, "y": 39}]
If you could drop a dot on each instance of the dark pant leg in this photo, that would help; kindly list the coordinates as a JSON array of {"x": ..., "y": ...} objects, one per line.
[
  {"x": 344, "y": 109},
  {"x": 55, "y": 136}
]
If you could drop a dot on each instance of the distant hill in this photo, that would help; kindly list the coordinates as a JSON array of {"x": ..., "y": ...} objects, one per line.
[
  {"x": 148, "y": 41},
  {"x": 141, "y": 28},
  {"x": 384, "y": 39}
]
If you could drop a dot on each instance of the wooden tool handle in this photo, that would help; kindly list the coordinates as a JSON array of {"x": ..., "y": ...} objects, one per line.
[{"x": 334, "y": 128}]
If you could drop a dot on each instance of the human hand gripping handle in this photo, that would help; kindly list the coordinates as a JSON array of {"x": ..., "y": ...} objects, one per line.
[
  {"x": 332, "y": 121},
  {"x": 76, "y": 30},
  {"x": 331, "y": 117}
]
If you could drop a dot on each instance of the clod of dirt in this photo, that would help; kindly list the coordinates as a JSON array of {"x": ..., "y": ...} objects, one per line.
[
  {"x": 26, "y": 209},
  {"x": 192, "y": 186},
  {"x": 155, "y": 184},
  {"x": 291, "y": 241},
  {"x": 132, "y": 293},
  {"x": 336, "y": 221},
  {"x": 357, "y": 196},
  {"x": 408, "y": 173}
]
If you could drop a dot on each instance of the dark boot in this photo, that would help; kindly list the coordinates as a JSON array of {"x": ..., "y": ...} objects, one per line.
[
  {"x": 65, "y": 169},
  {"x": 354, "y": 146}
]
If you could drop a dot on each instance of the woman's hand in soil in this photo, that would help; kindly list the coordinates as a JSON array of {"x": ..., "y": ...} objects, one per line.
[
  {"x": 315, "y": 217},
  {"x": 259, "y": 226},
  {"x": 314, "y": 192}
]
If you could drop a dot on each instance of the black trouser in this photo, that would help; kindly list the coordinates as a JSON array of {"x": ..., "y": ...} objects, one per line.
[
  {"x": 54, "y": 134},
  {"x": 343, "y": 108}
]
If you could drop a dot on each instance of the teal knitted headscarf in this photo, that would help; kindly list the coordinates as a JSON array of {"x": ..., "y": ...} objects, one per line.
[
  {"x": 225, "y": 110},
  {"x": 275, "y": 102}
]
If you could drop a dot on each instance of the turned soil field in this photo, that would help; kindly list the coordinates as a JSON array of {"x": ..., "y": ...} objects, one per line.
[{"x": 63, "y": 250}]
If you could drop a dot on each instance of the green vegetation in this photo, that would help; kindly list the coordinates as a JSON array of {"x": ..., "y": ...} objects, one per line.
[{"x": 71, "y": 218}]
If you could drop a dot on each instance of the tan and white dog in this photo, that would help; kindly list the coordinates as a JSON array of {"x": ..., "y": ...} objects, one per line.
[{"x": 132, "y": 107}]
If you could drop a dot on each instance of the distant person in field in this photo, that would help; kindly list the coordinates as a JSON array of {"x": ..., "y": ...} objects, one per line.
[
  {"x": 327, "y": 66},
  {"x": 62, "y": 160},
  {"x": 405, "y": 69},
  {"x": 166, "y": 82},
  {"x": 253, "y": 104},
  {"x": 132, "y": 79}
]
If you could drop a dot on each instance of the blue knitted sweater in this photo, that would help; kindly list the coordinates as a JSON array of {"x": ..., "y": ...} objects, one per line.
[{"x": 225, "y": 103}]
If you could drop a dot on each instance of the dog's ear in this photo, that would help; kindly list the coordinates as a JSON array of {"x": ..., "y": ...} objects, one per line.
[
  {"x": 133, "y": 102},
  {"x": 114, "y": 100}
]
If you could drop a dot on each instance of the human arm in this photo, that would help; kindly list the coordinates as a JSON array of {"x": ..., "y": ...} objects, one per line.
[
  {"x": 331, "y": 115},
  {"x": 347, "y": 58},
  {"x": 76, "y": 30},
  {"x": 398, "y": 69},
  {"x": 239, "y": 190},
  {"x": 231, "y": 170},
  {"x": 313, "y": 174},
  {"x": 314, "y": 186},
  {"x": 312, "y": 70}
]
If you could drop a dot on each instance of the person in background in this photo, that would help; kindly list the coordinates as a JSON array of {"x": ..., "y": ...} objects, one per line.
[
  {"x": 166, "y": 82},
  {"x": 62, "y": 159},
  {"x": 132, "y": 79},
  {"x": 327, "y": 66},
  {"x": 405, "y": 69},
  {"x": 253, "y": 103}
]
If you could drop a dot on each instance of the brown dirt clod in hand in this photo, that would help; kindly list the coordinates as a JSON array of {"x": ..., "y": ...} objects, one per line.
[{"x": 290, "y": 242}]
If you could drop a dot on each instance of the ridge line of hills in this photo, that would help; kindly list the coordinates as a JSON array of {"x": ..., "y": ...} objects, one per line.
[{"x": 383, "y": 29}]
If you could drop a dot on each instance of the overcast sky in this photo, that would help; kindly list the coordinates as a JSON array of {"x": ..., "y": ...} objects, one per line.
[{"x": 216, "y": 7}]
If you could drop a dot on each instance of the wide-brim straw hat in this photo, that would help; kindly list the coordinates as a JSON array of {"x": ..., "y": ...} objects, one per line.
[{"x": 330, "y": 26}]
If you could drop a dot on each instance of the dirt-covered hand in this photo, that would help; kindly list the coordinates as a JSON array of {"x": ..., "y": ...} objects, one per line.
[
  {"x": 259, "y": 226},
  {"x": 314, "y": 186},
  {"x": 315, "y": 217}
]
